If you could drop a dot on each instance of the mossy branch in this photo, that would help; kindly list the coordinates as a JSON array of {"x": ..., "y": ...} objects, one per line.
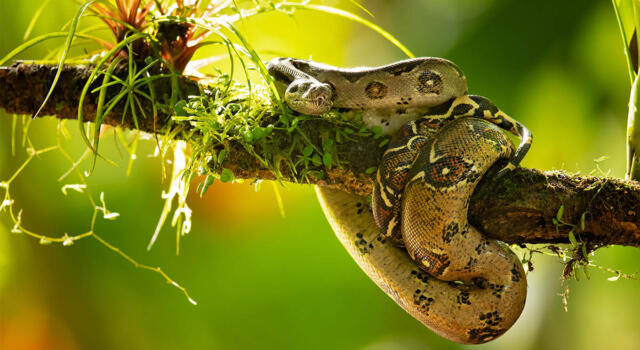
[{"x": 521, "y": 207}]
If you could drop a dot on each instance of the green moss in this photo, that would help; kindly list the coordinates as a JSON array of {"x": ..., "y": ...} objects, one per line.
[{"x": 227, "y": 114}]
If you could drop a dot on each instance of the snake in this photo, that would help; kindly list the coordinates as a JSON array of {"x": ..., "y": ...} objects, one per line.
[{"x": 412, "y": 236}]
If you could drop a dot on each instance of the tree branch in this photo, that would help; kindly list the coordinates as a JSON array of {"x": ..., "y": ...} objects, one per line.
[{"x": 517, "y": 208}]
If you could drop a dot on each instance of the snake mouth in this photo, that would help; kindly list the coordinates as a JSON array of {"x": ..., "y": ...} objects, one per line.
[
  {"x": 313, "y": 98},
  {"x": 310, "y": 107}
]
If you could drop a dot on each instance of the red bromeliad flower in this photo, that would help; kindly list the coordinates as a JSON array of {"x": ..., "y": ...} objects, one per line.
[
  {"x": 124, "y": 17},
  {"x": 178, "y": 40}
]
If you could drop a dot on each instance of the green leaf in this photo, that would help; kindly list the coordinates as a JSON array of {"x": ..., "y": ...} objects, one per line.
[
  {"x": 226, "y": 175},
  {"x": 377, "y": 131},
  {"x": 100, "y": 113},
  {"x": 316, "y": 159},
  {"x": 582, "y": 220},
  {"x": 633, "y": 119},
  {"x": 348, "y": 15},
  {"x": 328, "y": 144},
  {"x": 34, "y": 19},
  {"x": 361, "y": 7},
  {"x": 179, "y": 108},
  {"x": 269, "y": 129},
  {"x": 257, "y": 133},
  {"x": 327, "y": 159},
  {"x": 560, "y": 213},
  {"x": 247, "y": 136},
  {"x": 371, "y": 170},
  {"x": 28, "y": 44},
  {"x": 284, "y": 119},
  {"x": 576, "y": 273},
  {"x": 633, "y": 132},
  {"x": 636, "y": 19},
  {"x": 222, "y": 155},
  {"x": 208, "y": 181},
  {"x": 65, "y": 52},
  {"x": 624, "y": 10},
  {"x": 572, "y": 238},
  {"x": 585, "y": 269},
  {"x": 92, "y": 76},
  {"x": 307, "y": 151}
]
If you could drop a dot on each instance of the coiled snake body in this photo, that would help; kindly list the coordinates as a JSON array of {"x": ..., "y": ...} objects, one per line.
[{"x": 463, "y": 286}]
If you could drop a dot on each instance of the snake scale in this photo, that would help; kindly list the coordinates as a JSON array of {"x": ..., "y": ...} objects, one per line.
[{"x": 413, "y": 238}]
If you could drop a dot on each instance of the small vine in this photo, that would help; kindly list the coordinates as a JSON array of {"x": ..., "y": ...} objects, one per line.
[{"x": 99, "y": 206}]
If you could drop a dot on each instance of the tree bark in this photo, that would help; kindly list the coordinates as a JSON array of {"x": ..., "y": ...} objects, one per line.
[{"x": 517, "y": 208}]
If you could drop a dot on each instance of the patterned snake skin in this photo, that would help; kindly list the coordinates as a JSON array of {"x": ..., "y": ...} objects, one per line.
[{"x": 461, "y": 285}]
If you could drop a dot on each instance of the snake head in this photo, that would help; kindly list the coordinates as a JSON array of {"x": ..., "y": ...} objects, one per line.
[{"x": 309, "y": 96}]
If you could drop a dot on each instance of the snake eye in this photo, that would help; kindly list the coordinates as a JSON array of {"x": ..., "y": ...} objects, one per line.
[{"x": 293, "y": 88}]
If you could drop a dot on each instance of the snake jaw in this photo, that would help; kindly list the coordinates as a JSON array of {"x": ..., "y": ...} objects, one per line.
[{"x": 309, "y": 97}]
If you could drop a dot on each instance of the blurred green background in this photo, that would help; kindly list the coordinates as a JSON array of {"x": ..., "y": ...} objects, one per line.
[{"x": 267, "y": 282}]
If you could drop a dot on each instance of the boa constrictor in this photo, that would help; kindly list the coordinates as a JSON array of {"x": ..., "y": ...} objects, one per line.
[{"x": 465, "y": 287}]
